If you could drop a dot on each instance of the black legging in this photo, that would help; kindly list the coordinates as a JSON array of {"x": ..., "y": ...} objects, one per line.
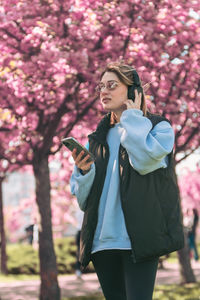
[{"x": 121, "y": 279}]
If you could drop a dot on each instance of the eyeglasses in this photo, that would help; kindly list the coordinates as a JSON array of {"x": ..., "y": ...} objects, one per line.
[{"x": 110, "y": 85}]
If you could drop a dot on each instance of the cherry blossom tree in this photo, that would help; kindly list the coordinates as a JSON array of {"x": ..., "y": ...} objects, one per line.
[
  {"x": 189, "y": 184},
  {"x": 51, "y": 58}
]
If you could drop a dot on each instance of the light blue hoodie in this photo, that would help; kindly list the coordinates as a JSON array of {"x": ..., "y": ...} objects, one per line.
[{"x": 147, "y": 149}]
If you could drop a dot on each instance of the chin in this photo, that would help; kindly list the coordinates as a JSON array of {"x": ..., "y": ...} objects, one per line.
[{"x": 106, "y": 108}]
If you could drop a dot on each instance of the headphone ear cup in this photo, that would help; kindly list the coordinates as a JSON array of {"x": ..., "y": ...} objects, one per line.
[
  {"x": 131, "y": 91},
  {"x": 136, "y": 85}
]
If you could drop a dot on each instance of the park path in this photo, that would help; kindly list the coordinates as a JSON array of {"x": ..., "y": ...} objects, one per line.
[{"x": 73, "y": 287}]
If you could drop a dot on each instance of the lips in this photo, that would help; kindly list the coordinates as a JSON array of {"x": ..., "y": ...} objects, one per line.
[{"x": 105, "y": 100}]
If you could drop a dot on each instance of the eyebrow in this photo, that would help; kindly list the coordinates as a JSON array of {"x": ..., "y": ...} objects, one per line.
[{"x": 110, "y": 81}]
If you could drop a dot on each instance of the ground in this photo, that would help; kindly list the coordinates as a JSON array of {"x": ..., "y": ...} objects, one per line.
[{"x": 89, "y": 285}]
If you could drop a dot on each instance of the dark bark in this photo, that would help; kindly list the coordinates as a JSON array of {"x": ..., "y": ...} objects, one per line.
[
  {"x": 186, "y": 272},
  {"x": 49, "y": 289},
  {"x": 4, "y": 269}
]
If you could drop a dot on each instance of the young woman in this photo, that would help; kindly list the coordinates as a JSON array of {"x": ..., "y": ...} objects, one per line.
[{"x": 129, "y": 194}]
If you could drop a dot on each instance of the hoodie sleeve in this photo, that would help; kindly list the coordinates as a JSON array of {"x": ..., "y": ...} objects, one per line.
[
  {"x": 147, "y": 148},
  {"x": 81, "y": 184}
]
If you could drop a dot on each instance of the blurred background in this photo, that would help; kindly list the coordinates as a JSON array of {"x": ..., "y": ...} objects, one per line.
[{"x": 51, "y": 55}]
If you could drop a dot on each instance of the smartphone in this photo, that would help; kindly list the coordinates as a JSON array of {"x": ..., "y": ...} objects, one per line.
[{"x": 72, "y": 143}]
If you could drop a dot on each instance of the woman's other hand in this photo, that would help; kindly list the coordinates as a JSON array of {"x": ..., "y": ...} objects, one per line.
[
  {"x": 137, "y": 102},
  {"x": 81, "y": 162}
]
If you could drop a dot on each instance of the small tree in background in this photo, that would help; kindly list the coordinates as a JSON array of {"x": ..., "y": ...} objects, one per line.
[
  {"x": 2, "y": 232},
  {"x": 5, "y": 169}
]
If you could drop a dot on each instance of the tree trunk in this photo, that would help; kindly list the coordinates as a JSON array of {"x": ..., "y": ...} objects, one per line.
[
  {"x": 49, "y": 289},
  {"x": 186, "y": 271},
  {"x": 2, "y": 234}
]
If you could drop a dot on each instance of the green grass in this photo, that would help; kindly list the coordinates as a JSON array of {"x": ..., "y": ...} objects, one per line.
[
  {"x": 162, "y": 292},
  {"x": 190, "y": 291},
  {"x": 173, "y": 257},
  {"x": 23, "y": 258},
  {"x": 16, "y": 277}
]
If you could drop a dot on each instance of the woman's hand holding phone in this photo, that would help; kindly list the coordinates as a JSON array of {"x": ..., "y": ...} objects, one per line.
[{"x": 82, "y": 163}]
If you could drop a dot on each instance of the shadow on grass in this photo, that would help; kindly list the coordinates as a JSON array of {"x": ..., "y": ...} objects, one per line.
[
  {"x": 91, "y": 297},
  {"x": 163, "y": 292}
]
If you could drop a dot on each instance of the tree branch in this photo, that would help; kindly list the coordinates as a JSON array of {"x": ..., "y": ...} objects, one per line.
[
  {"x": 185, "y": 156},
  {"x": 77, "y": 119},
  {"x": 182, "y": 147}
]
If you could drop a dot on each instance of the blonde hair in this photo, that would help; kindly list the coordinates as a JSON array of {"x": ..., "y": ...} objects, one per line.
[{"x": 125, "y": 74}]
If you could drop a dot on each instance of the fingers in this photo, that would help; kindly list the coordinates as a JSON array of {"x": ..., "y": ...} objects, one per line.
[
  {"x": 81, "y": 163},
  {"x": 138, "y": 98},
  {"x": 74, "y": 154},
  {"x": 136, "y": 103}
]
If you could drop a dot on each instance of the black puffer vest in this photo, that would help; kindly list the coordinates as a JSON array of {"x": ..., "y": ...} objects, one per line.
[{"x": 150, "y": 202}]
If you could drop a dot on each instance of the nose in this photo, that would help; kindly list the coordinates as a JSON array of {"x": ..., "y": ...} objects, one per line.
[
  {"x": 103, "y": 94},
  {"x": 104, "y": 90}
]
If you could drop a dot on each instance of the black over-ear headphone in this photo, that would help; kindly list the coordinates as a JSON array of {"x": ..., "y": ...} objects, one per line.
[{"x": 136, "y": 85}]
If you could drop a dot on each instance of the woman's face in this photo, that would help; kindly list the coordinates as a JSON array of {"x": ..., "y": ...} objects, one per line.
[{"x": 113, "y": 93}]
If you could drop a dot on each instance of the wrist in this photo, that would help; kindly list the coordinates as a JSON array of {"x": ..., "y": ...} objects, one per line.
[{"x": 83, "y": 172}]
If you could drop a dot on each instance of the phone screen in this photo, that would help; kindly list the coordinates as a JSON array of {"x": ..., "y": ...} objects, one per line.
[{"x": 72, "y": 143}]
